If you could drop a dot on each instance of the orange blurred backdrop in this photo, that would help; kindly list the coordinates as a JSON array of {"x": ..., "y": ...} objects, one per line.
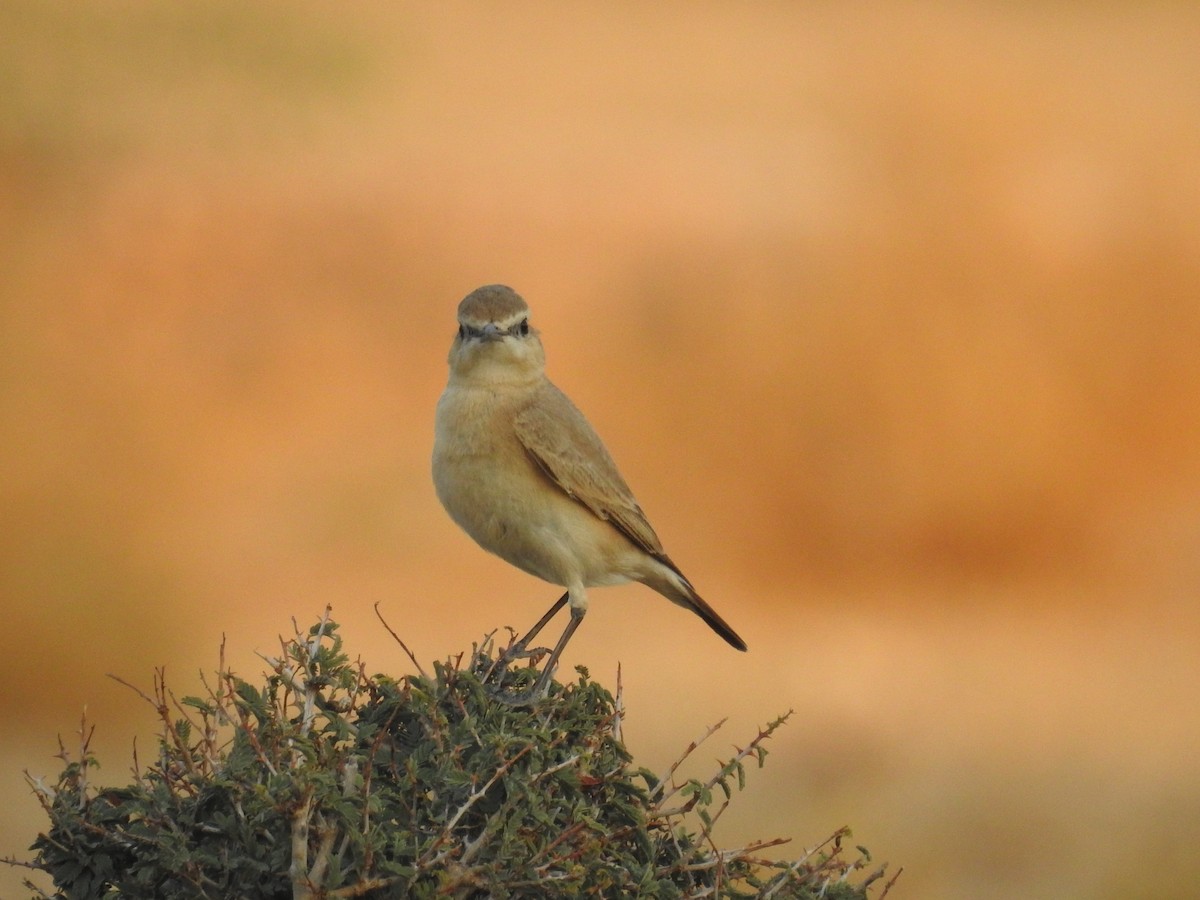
[{"x": 890, "y": 314}]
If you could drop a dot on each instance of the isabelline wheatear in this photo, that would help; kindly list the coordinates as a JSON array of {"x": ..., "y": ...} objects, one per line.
[{"x": 519, "y": 468}]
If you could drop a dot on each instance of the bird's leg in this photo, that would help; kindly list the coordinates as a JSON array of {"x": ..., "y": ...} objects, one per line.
[
  {"x": 520, "y": 650},
  {"x": 543, "y": 683}
]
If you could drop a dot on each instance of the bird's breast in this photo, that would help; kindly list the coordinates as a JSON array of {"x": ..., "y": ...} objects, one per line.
[
  {"x": 497, "y": 494},
  {"x": 481, "y": 473}
]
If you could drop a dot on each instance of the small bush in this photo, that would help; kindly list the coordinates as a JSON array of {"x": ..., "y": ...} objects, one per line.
[{"x": 324, "y": 782}]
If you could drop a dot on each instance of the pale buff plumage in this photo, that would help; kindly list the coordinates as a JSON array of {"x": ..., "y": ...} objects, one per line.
[{"x": 519, "y": 468}]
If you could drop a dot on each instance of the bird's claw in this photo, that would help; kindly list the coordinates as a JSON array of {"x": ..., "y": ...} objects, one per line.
[
  {"x": 496, "y": 676},
  {"x": 521, "y": 698}
]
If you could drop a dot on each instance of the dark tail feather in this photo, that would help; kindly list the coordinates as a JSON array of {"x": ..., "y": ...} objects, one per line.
[
  {"x": 715, "y": 622},
  {"x": 672, "y": 584}
]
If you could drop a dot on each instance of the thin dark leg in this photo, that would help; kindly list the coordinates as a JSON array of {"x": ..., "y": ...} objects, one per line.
[
  {"x": 543, "y": 683},
  {"x": 518, "y": 649}
]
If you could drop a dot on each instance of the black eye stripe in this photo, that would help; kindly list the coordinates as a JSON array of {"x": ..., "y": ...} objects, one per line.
[{"x": 520, "y": 329}]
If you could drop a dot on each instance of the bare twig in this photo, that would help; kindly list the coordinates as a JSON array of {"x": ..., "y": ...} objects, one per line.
[
  {"x": 687, "y": 751},
  {"x": 725, "y": 771},
  {"x": 298, "y": 871},
  {"x": 396, "y": 638},
  {"x": 887, "y": 887},
  {"x": 618, "y": 708},
  {"x": 13, "y": 861},
  {"x": 366, "y": 886},
  {"x": 119, "y": 680},
  {"x": 321, "y": 864},
  {"x": 782, "y": 878},
  {"x": 29, "y": 885},
  {"x": 474, "y": 798},
  {"x": 310, "y": 692}
]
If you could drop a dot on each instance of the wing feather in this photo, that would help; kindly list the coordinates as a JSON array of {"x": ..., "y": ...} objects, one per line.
[{"x": 560, "y": 440}]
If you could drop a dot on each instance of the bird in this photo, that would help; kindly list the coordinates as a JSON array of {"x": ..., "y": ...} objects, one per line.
[{"x": 518, "y": 467}]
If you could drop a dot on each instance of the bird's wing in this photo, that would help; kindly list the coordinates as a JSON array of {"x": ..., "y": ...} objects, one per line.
[{"x": 560, "y": 440}]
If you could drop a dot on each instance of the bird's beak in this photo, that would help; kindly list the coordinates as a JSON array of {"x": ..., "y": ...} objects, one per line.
[{"x": 490, "y": 332}]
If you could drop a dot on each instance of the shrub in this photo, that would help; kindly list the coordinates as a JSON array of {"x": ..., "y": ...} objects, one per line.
[{"x": 324, "y": 782}]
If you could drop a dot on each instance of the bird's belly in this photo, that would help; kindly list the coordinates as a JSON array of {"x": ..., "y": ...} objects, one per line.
[{"x": 530, "y": 523}]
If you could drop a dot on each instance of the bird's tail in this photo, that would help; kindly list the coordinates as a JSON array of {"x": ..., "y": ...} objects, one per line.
[{"x": 671, "y": 584}]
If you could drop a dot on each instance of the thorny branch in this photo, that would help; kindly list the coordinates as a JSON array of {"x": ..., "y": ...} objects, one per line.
[{"x": 341, "y": 783}]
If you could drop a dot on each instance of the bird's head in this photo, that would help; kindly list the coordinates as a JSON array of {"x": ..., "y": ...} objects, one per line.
[{"x": 495, "y": 342}]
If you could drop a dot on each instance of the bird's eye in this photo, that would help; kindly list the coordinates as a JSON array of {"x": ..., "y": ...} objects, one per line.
[
  {"x": 523, "y": 327},
  {"x": 462, "y": 332}
]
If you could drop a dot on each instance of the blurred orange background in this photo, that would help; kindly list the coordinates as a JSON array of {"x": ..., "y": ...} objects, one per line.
[{"x": 889, "y": 313}]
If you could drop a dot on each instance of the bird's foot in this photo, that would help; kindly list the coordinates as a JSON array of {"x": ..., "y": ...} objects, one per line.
[
  {"x": 502, "y": 693},
  {"x": 519, "y": 651},
  {"x": 498, "y": 675}
]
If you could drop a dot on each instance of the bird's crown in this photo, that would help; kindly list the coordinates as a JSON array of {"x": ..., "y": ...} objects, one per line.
[{"x": 495, "y": 303}]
